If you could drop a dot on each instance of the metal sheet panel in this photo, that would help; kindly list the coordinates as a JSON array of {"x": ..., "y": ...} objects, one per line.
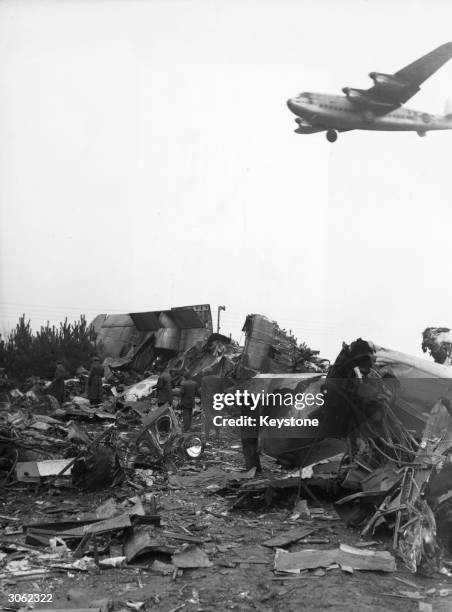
[
  {"x": 166, "y": 319},
  {"x": 202, "y": 311},
  {"x": 30, "y": 471},
  {"x": 186, "y": 319},
  {"x": 146, "y": 321},
  {"x": 97, "y": 322},
  {"x": 189, "y": 337},
  {"x": 118, "y": 320},
  {"x": 168, "y": 338},
  {"x": 116, "y": 341},
  {"x": 267, "y": 347}
]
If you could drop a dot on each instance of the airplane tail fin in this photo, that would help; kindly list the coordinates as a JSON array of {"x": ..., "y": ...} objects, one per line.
[{"x": 448, "y": 109}]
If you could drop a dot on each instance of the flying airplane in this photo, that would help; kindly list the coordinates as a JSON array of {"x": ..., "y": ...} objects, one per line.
[{"x": 377, "y": 108}]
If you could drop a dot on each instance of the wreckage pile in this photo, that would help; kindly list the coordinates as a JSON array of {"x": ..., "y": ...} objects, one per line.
[
  {"x": 392, "y": 413},
  {"x": 399, "y": 438},
  {"x": 217, "y": 355},
  {"x": 41, "y": 439},
  {"x": 39, "y": 448},
  {"x": 170, "y": 519},
  {"x": 270, "y": 349},
  {"x": 172, "y": 531}
]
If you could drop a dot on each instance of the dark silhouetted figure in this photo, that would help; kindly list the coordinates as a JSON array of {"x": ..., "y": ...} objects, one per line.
[
  {"x": 94, "y": 388},
  {"x": 164, "y": 389},
  {"x": 188, "y": 390},
  {"x": 56, "y": 387}
]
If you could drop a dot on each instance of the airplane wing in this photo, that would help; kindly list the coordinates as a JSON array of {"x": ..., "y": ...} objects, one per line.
[
  {"x": 419, "y": 71},
  {"x": 392, "y": 90}
]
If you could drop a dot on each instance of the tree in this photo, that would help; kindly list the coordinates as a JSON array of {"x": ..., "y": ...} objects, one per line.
[{"x": 24, "y": 353}]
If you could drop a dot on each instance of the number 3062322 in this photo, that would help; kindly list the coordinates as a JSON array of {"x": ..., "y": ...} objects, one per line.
[{"x": 30, "y": 597}]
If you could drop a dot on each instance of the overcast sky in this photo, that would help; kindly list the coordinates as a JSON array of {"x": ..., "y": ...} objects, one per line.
[{"x": 148, "y": 160}]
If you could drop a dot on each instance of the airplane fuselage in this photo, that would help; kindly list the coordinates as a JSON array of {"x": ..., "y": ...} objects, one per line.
[{"x": 324, "y": 111}]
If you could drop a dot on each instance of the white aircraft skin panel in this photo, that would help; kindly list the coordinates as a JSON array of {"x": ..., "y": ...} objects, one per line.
[{"x": 338, "y": 112}]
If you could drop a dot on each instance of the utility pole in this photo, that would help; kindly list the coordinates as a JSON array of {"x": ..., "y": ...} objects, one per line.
[{"x": 218, "y": 319}]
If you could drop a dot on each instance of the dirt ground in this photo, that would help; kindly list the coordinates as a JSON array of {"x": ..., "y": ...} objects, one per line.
[{"x": 241, "y": 576}]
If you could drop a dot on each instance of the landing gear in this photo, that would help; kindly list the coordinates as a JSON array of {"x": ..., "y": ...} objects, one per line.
[
  {"x": 331, "y": 135},
  {"x": 422, "y": 133}
]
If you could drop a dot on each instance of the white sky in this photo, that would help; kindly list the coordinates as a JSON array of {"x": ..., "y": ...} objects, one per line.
[{"x": 148, "y": 160}]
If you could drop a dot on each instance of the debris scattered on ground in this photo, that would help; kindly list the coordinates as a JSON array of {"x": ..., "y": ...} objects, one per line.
[
  {"x": 84, "y": 502},
  {"x": 191, "y": 558},
  {"x": 344, "y": 557},
  {"x": 287, "y": 537}
]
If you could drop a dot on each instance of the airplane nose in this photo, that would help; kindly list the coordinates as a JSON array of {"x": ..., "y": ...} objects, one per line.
[{"x": 293, "y": 106}]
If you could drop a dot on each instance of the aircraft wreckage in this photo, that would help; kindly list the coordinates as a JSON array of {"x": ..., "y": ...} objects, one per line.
[{"x": 387, "y": 420}]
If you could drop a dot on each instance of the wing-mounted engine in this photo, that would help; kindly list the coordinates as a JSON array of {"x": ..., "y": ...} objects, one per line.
[
  {"x": 361, "y": 97},
  {"x": 391, "y": 86},
  {"x": 389, "y": 80},
  {"x": 356, "y": 95},
  {"x": 388, "y": 93},
  {"x": 304, "y": 127}
]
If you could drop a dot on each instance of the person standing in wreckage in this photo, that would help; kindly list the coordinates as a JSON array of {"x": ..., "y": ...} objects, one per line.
[
  {"x": 56, "y": 387},
  {"x": 210, "y": 386},
  {"x": 94, "y": 389},
  {"x": 188, "y": 391},
  {"x": 164, "y": 388},
  {"x": 250, "y": 442}
]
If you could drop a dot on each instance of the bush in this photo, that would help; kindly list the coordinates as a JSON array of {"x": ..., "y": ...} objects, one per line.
[{"x": 24, "y": 353}]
